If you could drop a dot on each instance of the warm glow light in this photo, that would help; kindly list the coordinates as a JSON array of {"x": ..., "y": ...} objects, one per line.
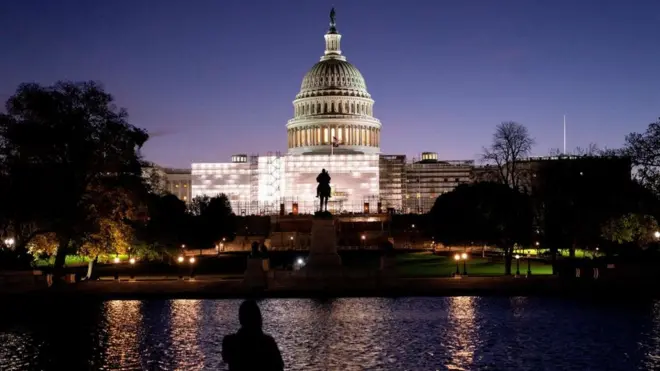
[
  {"x": 363, "y": 237},
  {"x": 192, "y": 260},
  {"x": 457, "y": 257},
  {"x": 656, "y": 234},
  {"x": 538, "y": 243},
  {"x": 464, "y": 256},
  {"x": 116, "y": 260},
  {"x": 180, "y": 259},
  {"x": 291, "y": 238},
  {"x": 300, "y": 261},
  {"x": 517, "y": 256},
  {"x": 132, "y": 261},
  {"x": 10, "y": 241},
  {"x": 183, "y": 246},
  {"x": 413, "y": 226}
]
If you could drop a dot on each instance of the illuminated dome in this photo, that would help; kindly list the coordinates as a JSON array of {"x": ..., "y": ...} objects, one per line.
[
  {"x": 333, "y": 105},
  {"x": 335, "y": 77}
]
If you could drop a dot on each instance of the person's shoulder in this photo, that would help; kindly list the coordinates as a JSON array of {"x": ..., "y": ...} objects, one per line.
[{"x": 229, "y": 339}]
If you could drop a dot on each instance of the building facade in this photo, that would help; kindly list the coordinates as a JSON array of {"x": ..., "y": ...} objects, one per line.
[
  {"x": 179, "y": 183},
  {"x": 428, "y": 178}
]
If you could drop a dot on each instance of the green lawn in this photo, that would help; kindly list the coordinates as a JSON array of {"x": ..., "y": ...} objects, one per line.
[
  {"x": 579, "y": 253},
  {"x": 75, "y": 260},
  {"x": 427, "y": 264}
]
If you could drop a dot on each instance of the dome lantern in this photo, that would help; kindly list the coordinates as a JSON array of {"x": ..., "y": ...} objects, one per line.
[{"x": 332, "y": 40}]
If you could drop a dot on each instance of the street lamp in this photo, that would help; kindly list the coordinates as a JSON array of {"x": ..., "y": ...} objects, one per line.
[
  {"x": 363, "y": 238},
  {"x": 457, "y": 257},
  {"x": 529, "y": 265},
  {"x": 116, "y": 261},
  {"x": 180, "y": 260},
  {"x": 656, "y": 235},
  {"x": 9, "y": 242},
  {"x": 132, "y": 261},
  {"x": 464, "y": 256},
  {"x": 517, "y": 265},
  {"x": 192, "y": 268}
]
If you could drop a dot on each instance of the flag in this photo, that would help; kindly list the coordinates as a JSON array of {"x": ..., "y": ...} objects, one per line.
[{"x": 335, "y": 142}]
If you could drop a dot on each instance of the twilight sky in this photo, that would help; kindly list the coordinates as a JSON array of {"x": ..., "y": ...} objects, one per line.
[{"x": 209, "y": 78}]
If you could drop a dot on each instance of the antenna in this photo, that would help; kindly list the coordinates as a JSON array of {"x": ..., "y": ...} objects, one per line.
[{"x": 564, "y": 134}]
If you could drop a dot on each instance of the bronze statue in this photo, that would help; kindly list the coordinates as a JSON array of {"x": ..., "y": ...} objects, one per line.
[
  {"x": 332, "y": 16},
  {"x": 323, "y": 189}
]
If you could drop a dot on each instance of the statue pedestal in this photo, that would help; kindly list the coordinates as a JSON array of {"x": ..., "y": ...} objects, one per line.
[
  {"x": 323, "y": 259},
  {"x": 255, "y": 276}
]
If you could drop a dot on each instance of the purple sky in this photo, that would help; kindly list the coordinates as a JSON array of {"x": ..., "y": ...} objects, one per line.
[{"x": 210, "y": 78}]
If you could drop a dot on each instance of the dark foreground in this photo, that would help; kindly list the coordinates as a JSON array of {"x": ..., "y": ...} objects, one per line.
[{"x": 407, "y": 333}]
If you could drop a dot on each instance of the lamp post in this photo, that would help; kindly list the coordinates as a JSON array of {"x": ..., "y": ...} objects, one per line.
[
  {"x": 132, "y": 261},
  {"x": 116, "y": 261},
  {"x": 457, "y": 257},
  {"x": 656, "y": 235},
  {"x": 363, "y": 238},
  {"x": 464, "y": 256},
  {"x": 517, "y": 265},
  {"x": 180, "y": 260},
  {"x": 192, "y": 267}
]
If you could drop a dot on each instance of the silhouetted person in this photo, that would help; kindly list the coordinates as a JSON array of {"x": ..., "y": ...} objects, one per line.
[{"x": 249, "y": 348}]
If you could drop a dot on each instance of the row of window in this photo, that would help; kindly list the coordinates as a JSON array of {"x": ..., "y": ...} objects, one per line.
[{"x": 333, "y": 107}]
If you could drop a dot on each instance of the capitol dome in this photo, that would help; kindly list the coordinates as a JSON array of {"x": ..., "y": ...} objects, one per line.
[
  {"x": 333, "y": 76},
  {"x": 333, "y": 112}
]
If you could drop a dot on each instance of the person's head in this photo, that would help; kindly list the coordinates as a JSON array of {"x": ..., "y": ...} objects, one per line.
[{"x": 249, "y": 315}]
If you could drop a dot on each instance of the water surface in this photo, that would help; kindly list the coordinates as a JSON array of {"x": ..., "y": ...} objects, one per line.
[{"x": 454, "y": 333}]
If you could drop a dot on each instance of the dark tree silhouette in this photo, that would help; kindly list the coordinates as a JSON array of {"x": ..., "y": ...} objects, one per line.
[
  {"x": 486, "y": 213},
  {"x": 67, "y": 144},
  {"x": 644, "y": 151},
  {"x": 511, "y": 144},
  {"x": 213, "y": 219},
  {"x": 167, "y": 226}
]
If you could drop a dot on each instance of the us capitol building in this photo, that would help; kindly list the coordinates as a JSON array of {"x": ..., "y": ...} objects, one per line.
[{"x": 333, "y": 127}]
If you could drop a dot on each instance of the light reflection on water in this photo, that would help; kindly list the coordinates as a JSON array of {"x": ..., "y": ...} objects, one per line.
[{"x": 455, "y": 333}]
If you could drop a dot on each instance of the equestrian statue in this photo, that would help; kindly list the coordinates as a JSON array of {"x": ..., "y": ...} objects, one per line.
[{"x": 323, "y": 189}]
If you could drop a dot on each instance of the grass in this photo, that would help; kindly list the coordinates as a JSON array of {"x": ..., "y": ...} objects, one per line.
[
  {"x": 76, "y": 260},
  {"x": 429, "y": 265},
  {"x": 418, "y": 264}
]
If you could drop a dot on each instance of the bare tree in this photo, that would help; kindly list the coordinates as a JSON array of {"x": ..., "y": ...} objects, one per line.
[{"x": 511, "y": 144}]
